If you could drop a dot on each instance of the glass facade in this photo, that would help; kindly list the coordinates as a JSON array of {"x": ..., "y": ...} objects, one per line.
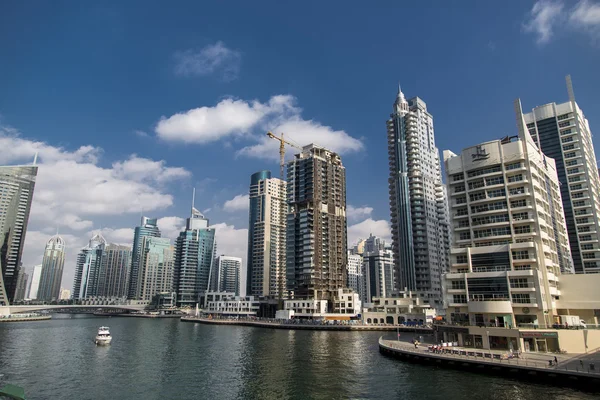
[
  {"x": 52, "y": 270},
  {"x": 16, "y": 193},
  {"x": 148, "y": 227}
]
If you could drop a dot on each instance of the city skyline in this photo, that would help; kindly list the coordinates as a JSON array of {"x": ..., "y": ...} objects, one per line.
[{"x": 85, "y": 145}]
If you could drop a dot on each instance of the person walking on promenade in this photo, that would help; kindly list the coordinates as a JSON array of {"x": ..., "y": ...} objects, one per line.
[{"x": 555, "y": 361}]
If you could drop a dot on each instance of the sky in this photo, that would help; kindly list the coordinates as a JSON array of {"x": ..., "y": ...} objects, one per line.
[{"x": 132, "y": 104}]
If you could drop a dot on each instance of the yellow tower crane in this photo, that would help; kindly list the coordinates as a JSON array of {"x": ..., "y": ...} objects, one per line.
[{"x": 282, "y": 143}]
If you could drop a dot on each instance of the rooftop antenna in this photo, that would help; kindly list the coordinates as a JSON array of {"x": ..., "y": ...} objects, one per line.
[
  {"x": 35, "y": 158},
  {"x": 193, "y": 200},
  {"x": 570, "y": 88}
]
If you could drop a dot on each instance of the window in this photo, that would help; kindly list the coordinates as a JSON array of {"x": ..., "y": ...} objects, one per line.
[
  {"x": 463, "y": 224},
  {"x": 462, "y": 211},
  {"x": 457, "y": 177},
  {"x": 581, "y": 212},
  {"x": 588, "y": 255},
  {"x": 570, "y": 154},
  {"x": 513, "y": 166},
  {"x": 518, "y": 203},
  {"x": 566, "y": 131},
  {"x": 576, "y": 187},
  {"x": 520, "y": 216},
  {"x": 484, "y": 171},
  {"x": 564, "y": 116},
  {"x": 496, "y": 193},
  {"x": 515, "y": 178},
  {"x": 520, "y": 283},
  {"x": 568, "y": 147},
  {"x": 465, "y": 236},
  {"x": 521, "y": 298},
  {"x": 494, "y": 181},
  {"x": 520, "y": 254},
  {"x": 476, "y": 184},
  {"x": 459, "y": 298},
  {"x": 490, "y": 219},
  {"x": 587, "y": 246},
  {"x": 461, "y": 200},
  {"x": 461, "y": 259},
  {"x": 477, "y": 196},
  {"x": 459, "y": 188},
  {"x": 517, "y": 190},
  {"x": 498, "y": 205},
  {"x": 522, "y": 229},
  {"x": 531, "y": 125},
  {"x": 457, "y": 285},
  {"x": 582, "y": 220},
  {"x": 491, "y": 232},
  {"x": 563, "y": 124},
  {"x": 579, "y": 203},
  {"x": 572, "y": 170},
  {"x": 570, "y": 163}
]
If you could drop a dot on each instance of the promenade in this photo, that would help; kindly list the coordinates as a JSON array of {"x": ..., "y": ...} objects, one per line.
[
  {"x": 579, "y": 370},
  {"x": 23, "y": 318},
  {"x": 313, "y": 325}
]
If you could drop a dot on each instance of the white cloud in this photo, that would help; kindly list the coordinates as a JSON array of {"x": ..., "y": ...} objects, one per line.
[
  {"x": 356, "y": 213},
  {"x": 214, "y": 58},
  {"x": 586, "y": 16},
  {"x": 171, "y": 226},
  {"x": 363, "y": 229},
  {"x": 71, "y": 187},
  {"x": 544, "y": 16},
  {"x": 549, "y": 16},
  {"x": 140, "y": 133},
  {"x": 233, "y": 242},
  {"x": 143, "y": 169},
  {"x": 229, "y": 117},
  {"x": 302, "y": 132},
  {"x": 241, "y": 202},
  {"x": 121, "y": 236},
  {"x": 251, "y": 119}
]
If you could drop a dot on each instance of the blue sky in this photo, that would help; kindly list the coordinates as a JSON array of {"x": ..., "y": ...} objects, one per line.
[{"x": 131, "y": 104}]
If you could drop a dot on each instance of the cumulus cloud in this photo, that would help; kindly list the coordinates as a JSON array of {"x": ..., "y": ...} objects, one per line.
[
  {"x": 71, "y": 186},
  {"x": 549, "y": 16},
  {"x": 251, "y": 120},
  {"x": 228, "y": 118},
  {"x": 363, "y": 229},
  {"x": 241, "y": 202},
  {"x": 214, "y": 58},
  {"x": 356, "y": 213},
  {"x": 171, "y": 226}
]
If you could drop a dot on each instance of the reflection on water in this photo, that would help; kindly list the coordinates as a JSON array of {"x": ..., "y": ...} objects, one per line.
[{"x": 167, "y": 359}]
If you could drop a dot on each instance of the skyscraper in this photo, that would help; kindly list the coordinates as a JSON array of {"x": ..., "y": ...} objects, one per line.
[
  {"x": 266, "y": 236},
  {"x": 52, "y": 269},
  {"x": 22, "y": 280},
  {"x": 227, "y": 272},
  {"x": 34, "y": 282},
  {"x": 562, "y": 132},
  {"x": 114, "y": 274},
  {"x": 355, "y": 275},
  {"x": 16, "y": 193},
  {"x": 195, "y": 251},
  {"x": 418, "y": 204},
  {"x": 156, "y": 270},
  {"x": 316, "y": 223},
  {"x": 88, "y": 268},
  {"x": 148, "y": 227}
]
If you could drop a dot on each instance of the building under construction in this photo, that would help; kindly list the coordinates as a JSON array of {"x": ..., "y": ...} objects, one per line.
[{"x": 316, "y": 254}]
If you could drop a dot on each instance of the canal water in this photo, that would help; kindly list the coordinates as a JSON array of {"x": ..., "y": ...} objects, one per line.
[{"x": 168, "y": 359}]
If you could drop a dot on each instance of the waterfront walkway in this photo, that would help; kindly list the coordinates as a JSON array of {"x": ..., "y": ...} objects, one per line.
[
  {"x": 578, "y": 370},
  {"x": 316, "y": 325}
]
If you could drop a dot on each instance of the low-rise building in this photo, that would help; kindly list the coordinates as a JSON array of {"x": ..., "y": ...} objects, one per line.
[
  {"x": 407, "y": 308},
  {"x": 228, "y": 304}
]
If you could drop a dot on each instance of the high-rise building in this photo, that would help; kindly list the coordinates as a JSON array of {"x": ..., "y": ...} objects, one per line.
[
  {"x": 22, "y": 279},
  {"x": 226, "y": 274},
  {"x": 358, "y": 248},
  {"x": 266, "y": 274},
  {"x": 378, "y": 269},
  {"x": 34, "y": 282},
  {"x": 156, "y": 269},
  {"x": 355, "y": 275},
  {"x": 114, "y": 274},
  {"x": 195, "y": 252},
  {"x": 52, "y": 269},
  {"x": 510, "y": 238},
  {"x": 16, "y": 193},
  {"x": 562, "y": 132},
  {"x": 418, "y": 203},
  {"x": 316, "y": 239},
  {"x": 88, "y": 268},
  {"x": 148, "y": 227}
]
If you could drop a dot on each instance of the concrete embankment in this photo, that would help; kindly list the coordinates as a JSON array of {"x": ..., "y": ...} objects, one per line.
[
  {"x": 14, "y": 318},
  {"x": 480, "y": 361},
  {"x": 317, "y": 327}
]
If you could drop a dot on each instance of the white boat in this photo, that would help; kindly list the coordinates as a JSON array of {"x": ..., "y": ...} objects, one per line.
[{"x": 103, "y": 336}]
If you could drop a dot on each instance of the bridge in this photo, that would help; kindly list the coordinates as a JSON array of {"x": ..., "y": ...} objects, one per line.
[{"x": 7, "y": 310}]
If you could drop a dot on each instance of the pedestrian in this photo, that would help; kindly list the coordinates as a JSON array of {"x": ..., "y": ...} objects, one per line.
[
  {"x": 581, "y": 363},
  {"x": 555, "y": 361}
]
